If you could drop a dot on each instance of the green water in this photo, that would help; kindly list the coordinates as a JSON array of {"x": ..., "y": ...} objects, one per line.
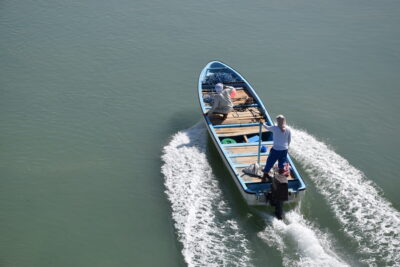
[{"x": 91, "y": 92}]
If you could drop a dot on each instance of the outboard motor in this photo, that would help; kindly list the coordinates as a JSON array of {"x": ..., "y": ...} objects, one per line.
[{"x": 278, "y": 194}]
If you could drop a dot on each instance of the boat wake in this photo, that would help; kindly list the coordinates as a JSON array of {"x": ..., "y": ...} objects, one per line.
[
  {"x": 300, "y": 243},
  {"x": 363, "y": 213},
  {"x": 210, "y": 235}
]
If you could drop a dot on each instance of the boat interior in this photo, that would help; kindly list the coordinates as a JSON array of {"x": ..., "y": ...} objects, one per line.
[{"x": 239, "y": 132}]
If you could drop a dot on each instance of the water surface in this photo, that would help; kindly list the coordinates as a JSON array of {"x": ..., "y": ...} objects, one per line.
[{"x": 92, "y": 92}]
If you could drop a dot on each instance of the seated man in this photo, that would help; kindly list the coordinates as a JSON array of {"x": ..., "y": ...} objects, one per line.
[{"x": 222, "y": 102}]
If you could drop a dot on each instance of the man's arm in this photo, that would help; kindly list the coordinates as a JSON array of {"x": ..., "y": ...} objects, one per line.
[{"x": 267, "y": 127}]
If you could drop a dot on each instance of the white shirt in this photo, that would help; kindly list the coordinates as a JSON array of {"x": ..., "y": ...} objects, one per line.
[
  {"x": 281, "y": 139},
  {"x": 222, "y": 102}
]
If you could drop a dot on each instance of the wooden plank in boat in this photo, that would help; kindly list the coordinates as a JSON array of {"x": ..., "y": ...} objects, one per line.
[
  {"x": 235, "y": 131},
  {"x": 242, "y": 101},
  {"x": 217, "y": 120},
  {"x": 238, "y": 117},
  {"x": 244, "y": 149},
  {"x": 250, "y": 111},
  {"x": 247, "y": 159},
  {"x": 242, "y": 96}
]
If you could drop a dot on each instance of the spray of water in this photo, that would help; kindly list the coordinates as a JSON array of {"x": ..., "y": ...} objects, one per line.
[
  {"x": 356, "y": 202},
  {"x": 300, "y": 243},
  {"x": 209, "y": 233}
]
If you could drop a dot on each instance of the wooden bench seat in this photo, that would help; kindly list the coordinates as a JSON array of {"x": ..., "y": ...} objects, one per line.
[
  {"x": 244, "y": 149},
  {"x": 216, "y": 119},
  {"x": 248, "y": 159},
  {"x": 249, "y": 115},
  {"x": 236, "y": 131}
]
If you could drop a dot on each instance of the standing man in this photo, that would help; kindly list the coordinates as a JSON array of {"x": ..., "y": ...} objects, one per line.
[{"x": 279, "y": 150}]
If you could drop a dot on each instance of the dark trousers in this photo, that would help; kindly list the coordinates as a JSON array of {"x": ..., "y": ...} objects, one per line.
[{"x": 276, "y": 155}]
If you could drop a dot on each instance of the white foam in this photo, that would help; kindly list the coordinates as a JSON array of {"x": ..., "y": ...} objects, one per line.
[
  {"x": 364, "y": 214},
  {"x": 208, "y": 232},
  {"x": 300, "y": 243}
]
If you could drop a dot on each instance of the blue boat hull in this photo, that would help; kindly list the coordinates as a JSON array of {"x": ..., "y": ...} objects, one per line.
[{"x": 241, "y": 128}]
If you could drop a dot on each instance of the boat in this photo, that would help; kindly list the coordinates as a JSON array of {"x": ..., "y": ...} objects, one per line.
[{"x": 237, "y": 138}]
